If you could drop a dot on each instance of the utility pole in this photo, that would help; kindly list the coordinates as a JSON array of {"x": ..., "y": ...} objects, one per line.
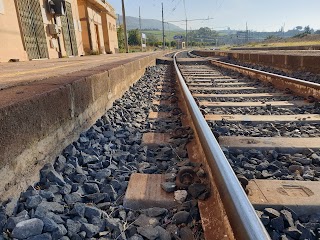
[
  {"x": 140, "y": 29},
  {"x": 247, "y": 33},
  {"x": 186, "y": 33},
  {"x": 185, "y": 11},
  {"x": 163, "y": 43},
  {"x": 125, "y": 26}
]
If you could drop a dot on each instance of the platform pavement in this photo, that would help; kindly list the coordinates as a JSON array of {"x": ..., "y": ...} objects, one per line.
[{"x": 22, "y": 73}]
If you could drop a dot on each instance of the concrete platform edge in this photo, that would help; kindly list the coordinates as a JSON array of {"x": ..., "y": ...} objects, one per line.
[{"x": 37, "y": 129}]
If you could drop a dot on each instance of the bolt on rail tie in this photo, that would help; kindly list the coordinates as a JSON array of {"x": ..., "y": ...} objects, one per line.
[{"x": 244, "y": 221}]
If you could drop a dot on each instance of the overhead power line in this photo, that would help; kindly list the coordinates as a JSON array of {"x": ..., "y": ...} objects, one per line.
[{"x": 191, "y": 20}]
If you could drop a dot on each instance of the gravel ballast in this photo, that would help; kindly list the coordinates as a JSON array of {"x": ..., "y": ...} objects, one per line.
[{"x": 80, "y": 195}]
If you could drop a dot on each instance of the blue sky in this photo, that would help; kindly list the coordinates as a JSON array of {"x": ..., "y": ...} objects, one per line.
[{"x": 260, "y": 15}]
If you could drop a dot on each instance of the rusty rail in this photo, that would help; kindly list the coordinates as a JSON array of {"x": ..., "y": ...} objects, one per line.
[{"x": 244, "y": 222}]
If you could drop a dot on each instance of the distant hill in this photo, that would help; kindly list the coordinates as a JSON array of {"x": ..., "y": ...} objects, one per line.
[{"x": 150, "y": 24}]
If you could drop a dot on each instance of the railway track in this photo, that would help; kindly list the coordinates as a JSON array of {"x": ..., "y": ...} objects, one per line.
[
  {"x": 152, "y": 168},
  {"x": 268, "y": 130}
]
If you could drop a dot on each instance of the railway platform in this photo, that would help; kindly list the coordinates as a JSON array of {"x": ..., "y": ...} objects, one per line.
[{"x": 46, "y": 104}]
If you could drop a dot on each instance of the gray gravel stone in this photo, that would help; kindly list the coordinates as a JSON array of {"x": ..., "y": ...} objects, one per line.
[
  {"x": 277, "y": 223},
  {"x": 292, "y": 232},
  {"x": 91, "y": 188},
  {"x": 11, "y": 207},
  {"x": 163, "y": 234},
  {"x": 46, "y": 194},
  {"x": 274, "y": 235},
  {"x": 114, "y": 224},
  {"x": 90, "y": 229},
  {"x": 96, "y": 197},
  {"x": 263, "y": 217},
  {"x": 3, "y": 220},
  {"x": 148, "y": 232},
  {"x": 28, "y": 228},
  {"x": 181, "y": 217},
  {"x": 70, "y": 150},
  {"x": 80, "y": 178},
  {"x": 92, "y": 212},
  {"x": 170, "y": 177},
  {"x": 44, "y": 236},
  {"x": 72, "y": 198},
  {"x": 49, "y": 225},
  {"x": 60, "y": 232},
  {"x": 155, "y": 211},
  {"x": 143, "y": 220},
  {"x": 78, "y": 209},
  {"x": 287, "y": 217},
  {"x": 186, "y": 233},
  {"x": 107, "y": 188},
  {"x": 66, "y": 189},
  {"x": 33, "y": 201},
  {"x": 60, "y": 163},
  {"x": 49, "y": 173},
  {"x": 168, "y": 186},
  {"x": 69, "y": 169},
  {"x": 51, "y": 207},
  {"x": 180, "y": 195},
  {"x": 271, "y": 212},
  {"x": 73, "y": 227},
  {"x": 196, "y": 189},
  {"x": 13, "y": 221},
  {"x": 136, "y": 237}
]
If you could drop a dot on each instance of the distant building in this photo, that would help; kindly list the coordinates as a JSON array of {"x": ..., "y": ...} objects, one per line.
[
  {"x": 181, "y": 45},
  {"x": 40, "y": 29}
]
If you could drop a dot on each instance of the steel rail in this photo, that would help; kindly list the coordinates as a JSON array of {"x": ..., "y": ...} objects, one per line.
[
  {"x": 244, "y": 221},
  {"x": 298, "y": 86},
  {"x": 289, "y": 79}
]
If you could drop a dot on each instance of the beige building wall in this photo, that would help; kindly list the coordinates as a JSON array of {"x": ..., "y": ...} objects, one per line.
[
  {"x": 110, "y": 33},
  {"x": 11, "y": 41},
  {"x": 11, "y": 45},
  {"x": 94, "y": 24},
  {"x": 99, "y": 31},
  {"x": 91, "y": 22},
  {"x": 77, "y": 27},
  {"x": 96, "y": 29}
]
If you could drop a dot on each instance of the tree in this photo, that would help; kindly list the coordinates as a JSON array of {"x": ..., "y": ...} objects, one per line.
[
  {"x": 299, "y": 28},
  {"x": 152, "y": 39},
  {"x": 121, "y": 42},
  {"x": 307, "y": 30},
  {"x": 173, "y": 43},
  {"x": 204, "y": 34},
  {"x": 134, "y": 38}
]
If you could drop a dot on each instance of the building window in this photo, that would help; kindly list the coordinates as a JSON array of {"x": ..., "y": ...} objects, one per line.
[{"x": 1, "y": 7}]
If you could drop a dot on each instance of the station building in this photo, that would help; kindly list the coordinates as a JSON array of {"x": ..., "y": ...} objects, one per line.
[{"x": 46, "y": 29}]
